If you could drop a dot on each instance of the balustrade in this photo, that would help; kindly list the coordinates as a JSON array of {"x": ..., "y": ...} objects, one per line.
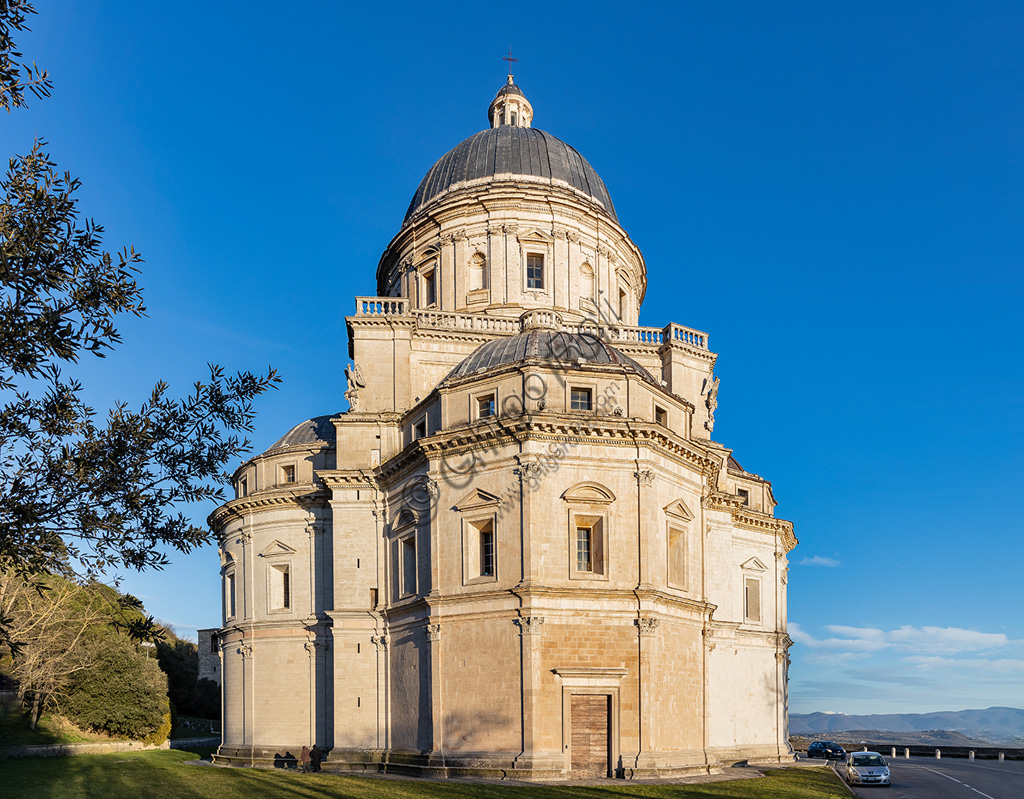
[
  {"x": 382, "y": 306},
  {"x": 503, "y": 325}
]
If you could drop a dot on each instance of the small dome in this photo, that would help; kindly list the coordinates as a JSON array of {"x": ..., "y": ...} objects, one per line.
[
  {"x": 556, "y": 346},
  {"x": 510, "y": 88},
  {"x": 319, "y": 429},
  {"x": 511, "y": 150}
]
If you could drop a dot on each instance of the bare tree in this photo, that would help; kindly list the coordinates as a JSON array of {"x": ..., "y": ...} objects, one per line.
[{"x": 57, "y": 624}]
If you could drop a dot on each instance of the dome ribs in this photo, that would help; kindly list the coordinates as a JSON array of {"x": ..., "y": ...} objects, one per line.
[
  {"x": 510, "y": 150},
  {"x": 502, "y": 149},
  {"x": 478, "y": 157},
  {"x": 561, "y": 349},
  {"x": 538, "y": 159}
]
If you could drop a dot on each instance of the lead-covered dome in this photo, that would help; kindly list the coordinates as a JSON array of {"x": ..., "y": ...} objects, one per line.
[
  {"x": 567, "y": 350},
  {"x": 509, "y": 149},
  {"x": 319, "y": 429}
]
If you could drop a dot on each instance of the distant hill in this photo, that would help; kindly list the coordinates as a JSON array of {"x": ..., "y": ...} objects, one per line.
[
  {"x": 853, "y": 739},
  {"x": 997, "y": 725}
]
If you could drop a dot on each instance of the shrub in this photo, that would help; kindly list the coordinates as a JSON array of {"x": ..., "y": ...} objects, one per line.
[
  {"x": 159, "y": 735},
  {"x": 123, "y": 694}
]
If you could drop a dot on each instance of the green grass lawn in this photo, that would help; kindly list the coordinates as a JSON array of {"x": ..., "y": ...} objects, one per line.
[
  {"x": 14, "y": 731},
  {"x": 163, "y": 774}
]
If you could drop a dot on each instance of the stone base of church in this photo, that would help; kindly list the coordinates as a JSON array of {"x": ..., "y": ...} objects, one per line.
[
  {"x": 753, "y": 754},
  {"x": 479, "y": 765},
  {"x": 666, "y": 765},
  {"x": 500, "y": 765}
]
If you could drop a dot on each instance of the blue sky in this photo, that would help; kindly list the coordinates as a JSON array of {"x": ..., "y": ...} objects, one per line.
[{"x": 832, "y": 190}]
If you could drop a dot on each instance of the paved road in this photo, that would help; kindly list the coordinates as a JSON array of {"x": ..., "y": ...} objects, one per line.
[{"x": 950, "y": 778}]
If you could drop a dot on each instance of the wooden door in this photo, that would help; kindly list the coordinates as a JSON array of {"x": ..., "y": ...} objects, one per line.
[{"x": 590, "y": 717}]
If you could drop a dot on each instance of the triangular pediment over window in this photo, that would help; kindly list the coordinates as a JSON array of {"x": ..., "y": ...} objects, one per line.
[
  {"x": 536, "y": 235},
  {"x": 475, "y": 499},
  {"x": 754, "y": 565},
  {"x": 591, "y": 493},
  {"x": 277, "y": 548},
  {"x": 679, "y": 510}
]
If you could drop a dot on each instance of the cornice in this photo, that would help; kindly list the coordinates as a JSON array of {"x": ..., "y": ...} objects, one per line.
[
  {"x": 264, "y": 500},
  {"x": 390, "y": 320},
  {"x": 749, "y": 519},
  {"x": 602, "y": 430},
  {"x": 347, "y": 478},
  {"x": 707, "y": 356}
]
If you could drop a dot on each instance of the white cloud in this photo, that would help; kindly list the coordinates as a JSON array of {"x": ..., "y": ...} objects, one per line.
[
  {"x": 949, "y": 640},
  {"x": 1002, "y": 666},
  {"x": 924, "y": 640},
  {"x": 819, "y": 560}
]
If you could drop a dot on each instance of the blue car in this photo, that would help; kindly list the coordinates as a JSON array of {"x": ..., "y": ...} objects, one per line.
[{"x": 829, "y": 750}]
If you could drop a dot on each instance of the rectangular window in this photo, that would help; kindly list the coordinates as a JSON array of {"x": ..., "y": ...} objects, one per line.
[
  {"x": 534, "y": 271},
  {"x": 660, "y": 416},
  {"x": 485, "y": 407},
  {"x": 588, "y": 547},
  {"x": 487, "y": 552},
  {"x": 430, "y": 288},
  {"x": 479, "y": 551},
  {"x": 408, "y": 566},
  {"x": 622, "y": 304},
  {"x": 584, "y": 549},
  {"x": 579, "y": 399},
  {"x": 243, "y": 487},
  {"x": 676, "y": 557},
  {"x": 288, "y": 474},
  {"x": 229, "y": 596},
  {"x": 213, "y": 645},
  {"x": 280, "y": 588},
  {"x": 752, "y": 599},
  {"x": 744, "y": 495},
  {"x": 421, "y": 429}
]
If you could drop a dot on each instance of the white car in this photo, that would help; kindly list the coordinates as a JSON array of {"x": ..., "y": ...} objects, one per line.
[{"x": 866, "y": 768}]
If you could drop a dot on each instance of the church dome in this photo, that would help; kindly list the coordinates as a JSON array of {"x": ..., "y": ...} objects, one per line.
[
  {"x": 558, "y": 347},
  {"x": 319, "y": 429},
  {"x": 510, "y": 88},
  {"x": 511, "y": 148}
]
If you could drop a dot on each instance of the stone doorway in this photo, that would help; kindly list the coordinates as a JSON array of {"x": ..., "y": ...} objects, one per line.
[{"x": 590, "y": 742}]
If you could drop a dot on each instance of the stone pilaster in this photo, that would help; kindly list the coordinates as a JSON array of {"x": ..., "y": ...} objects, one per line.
[{"x": 433, "y": 632}]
